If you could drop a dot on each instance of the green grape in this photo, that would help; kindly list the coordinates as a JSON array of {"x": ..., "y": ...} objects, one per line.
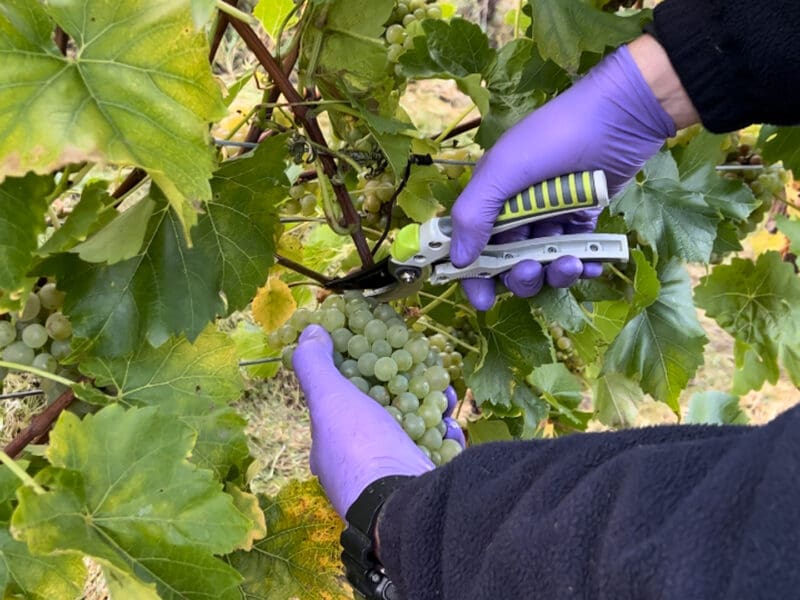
[
  {"x": 50, "y": 297},
  {"x": 408, "y": 20},
  {"x": 367, "y": 363},
  {"x": 420, "y": 14},
  {"x": 291, "y": 207},
  {"x": 429, "y": 414},
  {"x": 394, "y": 52},
  {"x": 20, "y": 353},
  {"x": 274, "y": 340},
  {"x": 438, "y": 341},
  {"x": 397, "y": 335},
  {"x": 396, "y": 413},
  {"x": 382, "y": 348},
  {"x": 413, "y": 425},
  {"x": 563, "y": 343},
  {"x": 438, "y": 400},
  {"x": 417, "y": 370},
  {"x": 385, "y": 312},
  {"x": 406, "y": 402},
  {"x": 45, "y": 362},
  {"x": 300, "y": 319},
  {"x": 424, "y": 450},
  {"x": 31, "y": 309},
  {"x": 35, "y": 336},
  {"x": 334, "y": 301},
  {"x": 397, "y": 385},
  {"x": 360, "y": 383},
  {"x": 372, "y": 204},
  {"x": 338, "y": 358},
  {"x": 332, "y": 319},
  {"x": 287, "y": 333},
  {"x": 556, "y": 331},
  {"x": 380, "y": 394},
  {"x": 8, "y": 333},
  {"x": 308, "y": 205},
  {"x": 357, "y": 345},
  {"x": 449, "y": 450},
  {"x": 438, "y": 378},
  {"x": 375, "y": 330},
  {"x": 359, "y": 320},
  {"x": 60, "y": 349},
  {"x": 395, "y": 34},
  {"x": 431, "y": 439},
  {"x": 403, "y": 359},
  {"x": 286, "y": 357},
  {"x": 419, "y": 386},
  {"x": 349, "y": 368},
  {"x": 297, "y": 191},
  {"x": 418, "y": 348},
  {"x": 436, "y": 458},
  {"x": 441, "y": 427},
  {"x": 340, "y": 338},
  {"x": 58, "y": 326},
  {"x": 433, "y": 12},
  {"x": 433, "y": 358},
  {"x": 385, "y": 368}
]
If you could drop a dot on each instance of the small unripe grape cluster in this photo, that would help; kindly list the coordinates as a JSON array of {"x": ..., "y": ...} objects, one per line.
[
  {"x": 565, "y": 351},
  {"x": 405, "y": 13},
  {"x": 374, "y": 194},
  {"x": 39, "y": 335},
  {"x": 302, "y": 200},
  {"x": 399, "y": 368}
]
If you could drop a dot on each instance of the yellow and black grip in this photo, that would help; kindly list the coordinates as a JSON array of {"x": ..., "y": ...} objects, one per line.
[{"x": 567, "y": 193}]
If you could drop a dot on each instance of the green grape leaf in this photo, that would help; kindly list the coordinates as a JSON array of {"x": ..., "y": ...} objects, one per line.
[
  {"x": 193, "y": 381},
  {"x": 94, "y": 211},
  {"x": 514, "y": 343},
  {"x": 23, "y": 206},
  {"x": 202, "y": 11},
  {"x": 755, "y": 303},
  {"x": 121, "y": 491},
  {"x": 416, "y": 199},
  {"x": 565, "y": 29},
  {"x": 560, "y": 306},
  {"x": 715, "y": 408},
  {"x": 791, "y": 229},
  {"x": 121, "y": 239},
  {"x": 484, "y": 431},
  {"x": 146, "y": 103},
  {"x": 781, "y": 143},
  {"x": 251, "y": 344},
  {"x": 24, "y": 575},
  {"x": 645, "y": 284},
  {"x": 554, "y": 384},
  {"x": 299, "y": 557},
  {"x": 677, "y": 221},
  {"x": 662, "y": 347},
  {"x": 616, "y": 399},
  {"x": 272, "y": 13}
]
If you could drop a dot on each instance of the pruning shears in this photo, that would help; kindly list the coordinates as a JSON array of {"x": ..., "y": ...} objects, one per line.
[{"x": 421, "y": 252}]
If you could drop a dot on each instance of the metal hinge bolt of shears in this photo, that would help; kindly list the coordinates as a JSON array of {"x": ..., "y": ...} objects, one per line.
[{"x": 421, "y": 252}]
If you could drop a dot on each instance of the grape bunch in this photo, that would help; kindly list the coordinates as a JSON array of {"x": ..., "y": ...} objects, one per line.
[
  {"x": 565, "y": 351},
  {"x": 302, "y": 200},
  {"x": 39, "y": 335},
  {"x": 398, "y": 29},
  {"x": 374, "y": 193},
  {"x": 399, "y": 368}
]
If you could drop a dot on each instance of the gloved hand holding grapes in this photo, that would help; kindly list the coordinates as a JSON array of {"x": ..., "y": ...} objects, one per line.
[
  {"x": 609, "y": 120},
  {"x": 355, "y": 440}
]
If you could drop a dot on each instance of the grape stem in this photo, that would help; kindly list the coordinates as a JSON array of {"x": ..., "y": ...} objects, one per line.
[
  {"x": 298, "y": 268},
  {"x": 449, "y": 336},
  {"x": 446, "y": 301},
  {"x": 40, "y": 424},
  {"x": 237, "y": 14},
  {"x": 20, "y": 473},
  {"x": 620, "y": 274},
  {"x": 444, "y": 134},
  {"x": 438, "y": 300},
  {"x": 517, "y": 19},
  {"x": 37, "y": 372}
]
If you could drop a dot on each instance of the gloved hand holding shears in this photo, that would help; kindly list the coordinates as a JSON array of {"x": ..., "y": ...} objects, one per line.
[{"x": 610, "y": 120}]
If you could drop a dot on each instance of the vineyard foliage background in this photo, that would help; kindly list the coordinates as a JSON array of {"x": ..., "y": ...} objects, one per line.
[{"x": 111, "y": 186}]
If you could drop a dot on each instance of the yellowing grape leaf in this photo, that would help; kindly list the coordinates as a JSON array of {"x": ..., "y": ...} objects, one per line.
[
  {"x": 762, "y": 241},
  {"x": 299, "y": 557},
  {"x": 138, "y": 90},
  {"x": 121, "y": 491},
  {"x": 273, "y": 304},
  {"x": 272, "y": 13}
]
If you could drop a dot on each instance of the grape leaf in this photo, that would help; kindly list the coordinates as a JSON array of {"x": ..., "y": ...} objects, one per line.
[
  {"x": 193, "y": 381},
  {"x": 484, "y": 431},
  {"x": 22, "y": 208},
  {"x": 146, "y": 103},
  {"x": 23, "y": 575},
  {"x": 168, "y": 288},
  {"x": 416, "y": 199},
  {"x": 272, "y": 13},
  {"x": 615, "y": 400},
  {"x": 564, "y": 29},
  {"x": 675, "y": 220},
  {"x": 560, "y": 306},
  {"x": 715, "y": 408},
  {"x": 514, "y": 343},
  {"x": 755, "y": 303},
  {"x": 781, "y": 143},
  {"x": 273, "y": 304},
  {"x": 662, "y": 346},
  {"x": 202, "y": 11},
  {"x": 645, "y": 284},
  {"x": 791, "y": 229},
  {"x": 299, "y": 557},
  {"x": 121, "y": 491},
  {"x": 554, "y": 384},
  {"x": 121, "y": 239},
  {"x": 251, "y": 343},
  {"x": 94, "y": 211}
]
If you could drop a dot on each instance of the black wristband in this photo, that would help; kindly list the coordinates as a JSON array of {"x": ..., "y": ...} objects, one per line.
[{"x": 362, "y": 568}]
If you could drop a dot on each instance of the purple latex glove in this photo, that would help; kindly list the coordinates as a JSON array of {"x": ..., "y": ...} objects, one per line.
[
  {"x": 608, "y": 120},
  {"x": 354, "y": 440}
]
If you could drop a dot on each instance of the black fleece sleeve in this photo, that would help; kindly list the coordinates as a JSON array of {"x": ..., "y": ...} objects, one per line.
[
  {"x": 682, "y": 512},
  {"x": 739, "y": 60}
]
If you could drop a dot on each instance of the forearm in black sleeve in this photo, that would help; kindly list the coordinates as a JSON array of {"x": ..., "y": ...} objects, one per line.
[
  {"x": 670, "y": 513},
  {"x": 739, "y": 60}
]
